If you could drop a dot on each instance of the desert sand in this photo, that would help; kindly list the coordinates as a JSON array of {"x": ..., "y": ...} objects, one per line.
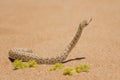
[{"x": 47, "y": 26}]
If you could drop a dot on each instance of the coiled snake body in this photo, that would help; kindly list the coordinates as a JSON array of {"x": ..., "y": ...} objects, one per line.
[{"x": 27, "y": 54}]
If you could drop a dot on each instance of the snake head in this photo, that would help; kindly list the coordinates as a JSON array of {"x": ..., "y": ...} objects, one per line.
[{"x": 84, "y": 23}]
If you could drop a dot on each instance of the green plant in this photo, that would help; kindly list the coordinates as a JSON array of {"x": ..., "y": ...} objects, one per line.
[
  {"x": 57, "y": 66},
  {"x": 82, "y": 68},
  {"x": 18, "y": 64},
  {"x": 32, "y": 63},
  {"x": 68, "y": 71}
]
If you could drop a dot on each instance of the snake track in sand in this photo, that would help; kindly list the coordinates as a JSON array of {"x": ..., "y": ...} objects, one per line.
[{"x": 27, "y": 54}]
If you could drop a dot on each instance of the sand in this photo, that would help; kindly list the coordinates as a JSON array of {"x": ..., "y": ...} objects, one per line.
[{"x": 47, "y": 26}]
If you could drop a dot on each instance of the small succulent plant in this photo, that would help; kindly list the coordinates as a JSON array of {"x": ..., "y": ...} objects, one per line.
[
  {"x": 78, "y": 69},
  {"x": 68, "y": 71},
  {"x": 57, "y": 66},
  {"x": 82, "y": 68},
  {"x": 32, "y": 63},
  {"x": 18, "y": 64}
]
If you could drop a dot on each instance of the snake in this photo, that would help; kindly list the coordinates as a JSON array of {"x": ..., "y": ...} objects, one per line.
[{"x": 25, "y": 54}]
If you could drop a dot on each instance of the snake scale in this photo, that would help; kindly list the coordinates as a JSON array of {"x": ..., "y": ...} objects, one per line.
[{"x": 25, "y": 54}]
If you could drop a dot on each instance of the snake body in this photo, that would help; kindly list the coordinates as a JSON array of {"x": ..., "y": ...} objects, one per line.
[{"x": 27, "y": 54}]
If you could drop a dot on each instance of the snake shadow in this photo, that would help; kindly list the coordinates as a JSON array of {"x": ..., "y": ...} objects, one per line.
[
  {"x": 69, "y": 60},
  {"x": 12, "y": 60},
  {"x": 73, "y": 59}
]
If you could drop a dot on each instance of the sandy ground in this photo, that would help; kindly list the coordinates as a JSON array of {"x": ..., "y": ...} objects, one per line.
[{"x": 47, "y": 26}]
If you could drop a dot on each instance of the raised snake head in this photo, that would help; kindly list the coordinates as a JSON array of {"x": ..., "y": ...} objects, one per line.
[{"x": 84, "y": 23}]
